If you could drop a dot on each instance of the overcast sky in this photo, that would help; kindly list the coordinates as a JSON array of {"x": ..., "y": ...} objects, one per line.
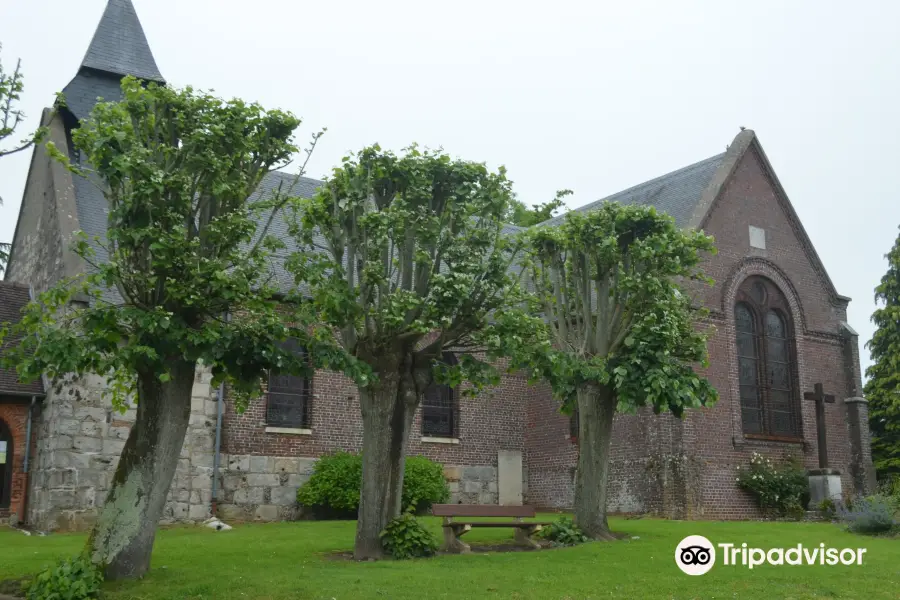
[{"x": 592, "y": 96}]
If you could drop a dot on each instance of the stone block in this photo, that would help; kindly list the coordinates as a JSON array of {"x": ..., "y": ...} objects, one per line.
[
  {"x": 200, "y": 422},
  {"x": 200, "y": 390},
  {"x": 203, "y": 459},
  {"x": 479, "y": 473},
  {"x": 266, "y": 512},
  {"x": 262, "y": 464},
  {"x": 249, "y": 496},
  {"x": 210, "y": 408},
  {"x": 283, "y": 496},
  {"x": 238, "y": 462},
  {"x": 93, "y": 478},
  {"x": 62, "y": 499},
  {"x": 201, "y": 482},
  {"x": 62, "y": 442},
  {"x": 509, "y": 478},
  {"x": 118, "y": 433},
  {"x": 182, "y": 495},
  {"x": 86, "y": 497},
  {"x": 234, "y": 513},
  {"x": 92, "y": 428},
  {"x": 487, "y": 498},
  {"x": 88, "y": 444},
  {"x": 201, "y": 496},
  {"x": 287, "y": 465},
  {"x": 100, "y": 461},
  {"x": 472, "y": 487},
  {"x": 233, "y": 482},
  {"x": 113, "y": 447},
  {"x": 58, "y": 478},
  {"x": 198, "y": 512},
  {"x": 297, "y": 480},
  {"x": 305, "y": 465},
  {"x": 452, "y": 473},
  {"x": 180, "y": 510},
  {"x": 263, "y": 480},
  {"x": 197, "y": 405},
  {"x": 68, "y": 427},
  {"x": 91, "y": 412},
  {"x": 824, "y": 484},
  {"x": 454, "y": 486}
]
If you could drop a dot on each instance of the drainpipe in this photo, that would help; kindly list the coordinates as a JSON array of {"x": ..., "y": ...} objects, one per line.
[
  {"x": 220, "y": 399},
  {"x": 25, "y": 465}
]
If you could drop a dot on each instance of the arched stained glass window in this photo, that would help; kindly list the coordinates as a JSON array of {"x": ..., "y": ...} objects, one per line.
[{"x": 766, "y": 367}]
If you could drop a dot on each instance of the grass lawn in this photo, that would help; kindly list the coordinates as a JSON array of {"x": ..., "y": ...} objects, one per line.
[{"x": 286, "y": 561}]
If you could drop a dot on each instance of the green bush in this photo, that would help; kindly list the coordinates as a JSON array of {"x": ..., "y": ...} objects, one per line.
[
  {"x": 423, "y": 484},
  {"x": 875, "y": 514},
  {"x": 405, "y": 537},
  {"x": 70, "y": 579},
  {"x": 780, "y": 490},
  {"x": 333, "y": 489},
  {"x": 827, "y": 508},
  {"x": 564, "y": 532}
]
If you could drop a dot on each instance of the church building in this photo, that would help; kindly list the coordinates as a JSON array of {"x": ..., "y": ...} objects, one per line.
[{"x": 780, "y": 329}]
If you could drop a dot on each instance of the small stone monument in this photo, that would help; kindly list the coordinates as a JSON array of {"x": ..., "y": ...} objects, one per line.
[{"x": 824, "y": 482}]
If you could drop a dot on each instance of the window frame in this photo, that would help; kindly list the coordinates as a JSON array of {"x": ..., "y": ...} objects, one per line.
[
  {"x": 450, "y": 404},
  {"x": 6, "y": 470},
  {"x": 771, "y": 301},
  {"x": 304, "y": 395}
]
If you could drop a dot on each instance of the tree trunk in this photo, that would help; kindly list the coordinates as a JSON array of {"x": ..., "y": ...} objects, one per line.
[
  {"x": 387, "y": 414},
  {"x": 122, "y": 538},
  {"x": 596, "y": 409}
]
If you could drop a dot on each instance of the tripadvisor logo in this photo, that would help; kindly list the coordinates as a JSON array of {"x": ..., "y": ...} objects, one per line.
[{"x": 696, "y": 555}]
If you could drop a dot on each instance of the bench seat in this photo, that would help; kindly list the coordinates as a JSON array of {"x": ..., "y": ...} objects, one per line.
[{"x": 457, "y": 521}]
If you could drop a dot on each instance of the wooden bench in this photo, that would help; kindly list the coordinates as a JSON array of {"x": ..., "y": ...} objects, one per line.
[{"x": 454, "y": 528}]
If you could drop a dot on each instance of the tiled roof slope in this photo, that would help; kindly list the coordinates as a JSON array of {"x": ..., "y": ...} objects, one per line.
[
  {"x": 13, "y": 298},
  {"x": 120, "y": 46},
  {"x": 676, "y": 193}
]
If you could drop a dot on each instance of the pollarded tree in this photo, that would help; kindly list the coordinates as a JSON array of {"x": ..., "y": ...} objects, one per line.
[
  {"x": 883, "y": 387},
  {"x": 184, "y": 284},
  {"x": 624, "y": 330},
  {"x": 406, "y": 257}
]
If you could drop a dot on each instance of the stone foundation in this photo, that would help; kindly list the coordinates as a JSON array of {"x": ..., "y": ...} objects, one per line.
[
  {"x": 261, "y": 488},
  {"x": 472, "y": 485}
]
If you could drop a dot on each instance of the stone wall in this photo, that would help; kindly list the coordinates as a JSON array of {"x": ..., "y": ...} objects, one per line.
[{"x": 79, "y": 438}]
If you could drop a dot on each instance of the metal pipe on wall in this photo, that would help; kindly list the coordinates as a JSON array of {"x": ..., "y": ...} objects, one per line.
[{"x": 220, "y": 400}]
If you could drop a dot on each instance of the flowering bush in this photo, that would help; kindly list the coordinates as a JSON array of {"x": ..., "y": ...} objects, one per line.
[
  {"x": 779, "y": 489},
  {"x": 875, "y": 514}
]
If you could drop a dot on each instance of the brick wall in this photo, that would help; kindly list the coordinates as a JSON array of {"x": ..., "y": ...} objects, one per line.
[{"x": 14, "y": 414}]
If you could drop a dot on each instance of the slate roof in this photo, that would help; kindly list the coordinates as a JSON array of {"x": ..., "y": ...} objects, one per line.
[
  {"x": 676, "y": 193},
  {"x": 13, "y": 298},
  {"x": 120, "y": 46}
]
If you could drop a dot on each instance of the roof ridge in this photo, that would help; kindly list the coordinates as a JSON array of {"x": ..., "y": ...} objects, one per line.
[
  {"x": 677, "y": 173},
  {"x": 119, "y": 45}
]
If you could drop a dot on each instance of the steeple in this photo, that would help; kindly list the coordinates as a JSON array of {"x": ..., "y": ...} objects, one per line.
[{"x": 119, "y": 46}]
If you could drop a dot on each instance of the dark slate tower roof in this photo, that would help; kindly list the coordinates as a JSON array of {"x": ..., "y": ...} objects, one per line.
[{"x": 120, "y": 46}]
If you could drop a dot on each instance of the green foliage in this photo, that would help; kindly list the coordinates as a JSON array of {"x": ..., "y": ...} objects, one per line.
[
  {"x": 827, "y": 508},
  {"x": 883, "y": 386},
  {"x": 874, "y": 514},
  {"x": 423, "y": 484},
  {"x": 334, "y": 487},
  {"x": 70, "y": 579},
  {"x": 187, "y": 243},
  {"x": 406, "y": 537},
  {"x": 519, "y": 214},
  {"x": 397, "y": 248},
  {"x": 564, "y": 532},
  {"x": 610, "y": 281},
  {"x": 779, "y": 489}
]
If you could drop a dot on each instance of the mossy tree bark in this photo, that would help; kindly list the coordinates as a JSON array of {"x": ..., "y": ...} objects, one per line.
[
  {"x": 596, "y": 411},
  {"x": 122, "y": 538}
]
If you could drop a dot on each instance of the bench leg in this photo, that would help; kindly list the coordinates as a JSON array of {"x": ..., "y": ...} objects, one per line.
[
  {"x": 523, "y": 535},
  {"x": 452, "y": 543}
]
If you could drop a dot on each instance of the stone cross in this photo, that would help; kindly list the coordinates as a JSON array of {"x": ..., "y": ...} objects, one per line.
[{"x": 820, "y": 398}]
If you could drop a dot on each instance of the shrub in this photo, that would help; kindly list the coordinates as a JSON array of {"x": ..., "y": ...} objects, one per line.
[
  {"x": 778, "y": 489},
  {"x": 423, "y": 484},
  {"x": 405, "y": 537},
  {"x": 874, "y": 514},
  {"x": 827, "y": 508},
  {"x": 70, "y": 579},
  {"x": 333, "y": 489},
  {"x": 564, "y": 532}
]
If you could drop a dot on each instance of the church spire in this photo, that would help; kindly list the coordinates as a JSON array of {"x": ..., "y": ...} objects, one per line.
[{"x": 119, "y": 46}]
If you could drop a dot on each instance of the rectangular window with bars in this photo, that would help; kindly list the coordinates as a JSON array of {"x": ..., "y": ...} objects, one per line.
[
  {"x": 439, "y": 411},
  {"x": 288, "y": 397}
]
